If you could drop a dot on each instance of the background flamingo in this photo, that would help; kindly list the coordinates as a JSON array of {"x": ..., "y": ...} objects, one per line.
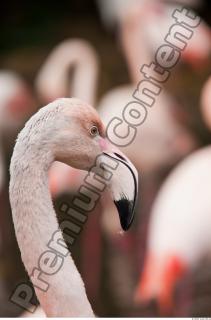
[
  {"x": 180, "y": 208},
  {"x": 179, "y": 236},
  {"x": 175, "y": 140}
]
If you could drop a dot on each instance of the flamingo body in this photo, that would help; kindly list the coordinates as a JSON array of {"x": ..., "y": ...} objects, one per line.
[{"x": 179, "y": 232}]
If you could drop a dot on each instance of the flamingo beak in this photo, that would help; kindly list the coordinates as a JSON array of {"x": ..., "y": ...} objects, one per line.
[{"x": 124, "y": 188}]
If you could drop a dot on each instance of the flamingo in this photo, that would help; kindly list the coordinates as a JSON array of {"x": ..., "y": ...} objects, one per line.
[
  {"x": 70, "y": 131},
  {"x": 158, "y": 142},
  {"x": 179, "y": 231},
  {"x": 153, "y": 14}
]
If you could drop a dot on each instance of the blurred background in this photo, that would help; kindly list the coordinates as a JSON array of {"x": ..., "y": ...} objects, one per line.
[{"x": 94, "y": 50}]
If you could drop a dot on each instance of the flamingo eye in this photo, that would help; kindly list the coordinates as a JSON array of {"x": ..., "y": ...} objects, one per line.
[{"x": 94, "y": 131}]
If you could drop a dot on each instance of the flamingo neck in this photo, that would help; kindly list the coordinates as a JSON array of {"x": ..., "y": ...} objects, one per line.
[
  {"x": 76, "y": 55},
  {"x": 131, "y": 33},
  {"x": 35, "y": 223},
  {"x": 85, "y": 75}
]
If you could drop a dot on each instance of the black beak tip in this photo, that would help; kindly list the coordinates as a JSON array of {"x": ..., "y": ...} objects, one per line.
[{"x": 125, "y": 209}]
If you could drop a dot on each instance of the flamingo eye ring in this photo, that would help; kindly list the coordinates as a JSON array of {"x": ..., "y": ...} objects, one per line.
[{"x": 94, "y": 131}]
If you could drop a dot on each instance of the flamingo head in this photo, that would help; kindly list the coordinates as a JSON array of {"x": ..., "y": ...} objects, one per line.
[{"x": 76, "y": 136}]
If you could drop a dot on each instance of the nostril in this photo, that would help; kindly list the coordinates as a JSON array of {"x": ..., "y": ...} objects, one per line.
[{"x": 119, "y": 156}]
